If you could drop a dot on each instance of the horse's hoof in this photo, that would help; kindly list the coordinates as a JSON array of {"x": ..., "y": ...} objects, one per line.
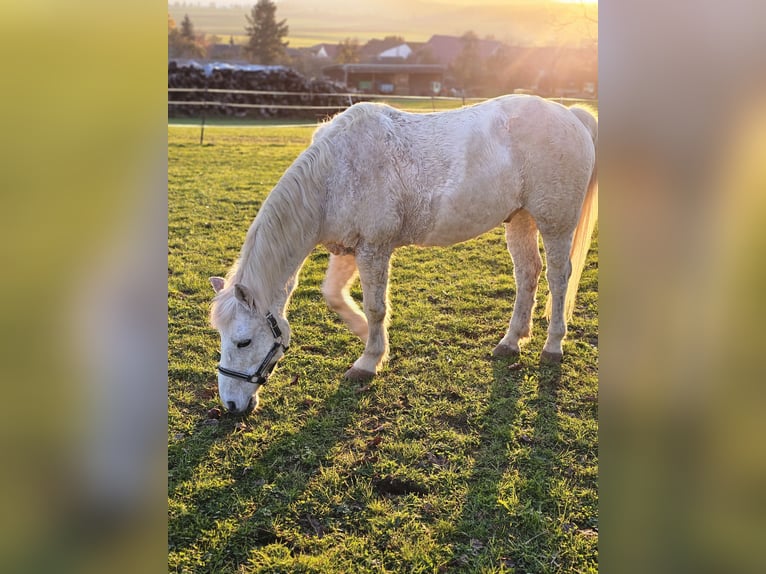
[
  {"x": 504, "y": 351},
  {"x": 354, "y": 374},
  {"x": 549, "y": 358}
]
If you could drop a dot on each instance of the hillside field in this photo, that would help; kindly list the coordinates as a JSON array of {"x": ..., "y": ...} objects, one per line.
[
  {"x": 448, "y": 461},
  {"x": 517, "y": 22}
]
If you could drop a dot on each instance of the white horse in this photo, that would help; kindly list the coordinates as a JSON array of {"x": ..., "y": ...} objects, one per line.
[{"x": 375, "y": 178}]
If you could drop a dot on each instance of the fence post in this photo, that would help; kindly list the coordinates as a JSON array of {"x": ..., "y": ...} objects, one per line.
[{"x": 204, "y": 108}]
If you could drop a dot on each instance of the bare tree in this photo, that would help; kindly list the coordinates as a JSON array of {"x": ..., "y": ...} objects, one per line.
[{"x": 348, "y": 51}]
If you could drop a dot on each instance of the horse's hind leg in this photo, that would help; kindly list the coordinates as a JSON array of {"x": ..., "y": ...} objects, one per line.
[
  {"x": 521, "y": 236},
  {"x": 336, "y": 288},
  {"x": 557, "y": 248},
  {"x": 373, "y": 266}
]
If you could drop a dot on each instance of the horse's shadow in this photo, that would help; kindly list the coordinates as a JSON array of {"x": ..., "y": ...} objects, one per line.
[
  {"x": 278, "y": 468},
  {"x": 510, "y": 443},
  {"x": 514, "y": 438}
]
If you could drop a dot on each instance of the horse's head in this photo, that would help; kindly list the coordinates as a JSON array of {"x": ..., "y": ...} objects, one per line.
[{"x": 252, "y": 342}]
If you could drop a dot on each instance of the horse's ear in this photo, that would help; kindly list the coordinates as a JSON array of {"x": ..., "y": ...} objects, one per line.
[
  {"x": 217, "y": 283},
  {"x": 244, "y": 296}
]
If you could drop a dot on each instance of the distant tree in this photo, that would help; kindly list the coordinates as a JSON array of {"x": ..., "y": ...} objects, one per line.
[
  {"x": 348, "y": 51},
  {"x": 265, "y": 45},
  {"x": 187, "y": 28},
  {"x": 422, "y": 56},
  {"x": 580, "y": 28},
  {"x": 467, "y": 67},
  {"x": 184, "y": 43},
  {"x": 504, "y": 73}
]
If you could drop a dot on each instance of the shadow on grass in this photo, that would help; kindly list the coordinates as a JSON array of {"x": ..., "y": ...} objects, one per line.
[
  {"x": 279, "y": 472},
  {"x": 509, "y": 507}
]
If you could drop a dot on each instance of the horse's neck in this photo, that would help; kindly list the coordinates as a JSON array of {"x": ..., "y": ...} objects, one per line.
[
  {"x": 279, "y": 241},
  {"x": 282, "y": 296}
]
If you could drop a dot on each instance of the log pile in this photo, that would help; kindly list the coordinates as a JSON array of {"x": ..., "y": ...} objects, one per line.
[{"x": 261, "y": 78}]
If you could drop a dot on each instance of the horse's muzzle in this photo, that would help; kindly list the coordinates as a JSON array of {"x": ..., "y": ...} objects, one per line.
[{"x": 232, "y": 407}]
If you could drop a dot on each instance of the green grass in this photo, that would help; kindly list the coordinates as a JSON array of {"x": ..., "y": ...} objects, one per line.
[{"x": 447, "y": 462}]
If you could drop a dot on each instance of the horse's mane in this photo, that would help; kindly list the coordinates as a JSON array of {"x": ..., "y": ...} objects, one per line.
[
  {"x": 287, "y": 225},
  {"x": 281, "y": 235},
  {"x": 342, "y": 125}
]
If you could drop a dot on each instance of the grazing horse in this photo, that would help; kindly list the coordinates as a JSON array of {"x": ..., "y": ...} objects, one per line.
[{"x": 375, "y": 178}]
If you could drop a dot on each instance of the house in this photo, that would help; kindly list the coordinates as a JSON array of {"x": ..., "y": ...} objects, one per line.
[
  {"x": 402, "y": 79},
  {"x": 324, "y": 51},
  {"x": 373, "y": 48},
  {"x": 445, "y": 49},
  {"x": 225, "y": 51},
  {"x": 402, "y": 51}
]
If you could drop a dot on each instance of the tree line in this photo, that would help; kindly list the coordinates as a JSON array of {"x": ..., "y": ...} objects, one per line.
[
  {"x": 266, "y": 44},
  {"x": 546, "y": 70}
]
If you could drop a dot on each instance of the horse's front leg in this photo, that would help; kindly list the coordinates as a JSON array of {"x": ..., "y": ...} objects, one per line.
[{"x": 373, "y": 264}]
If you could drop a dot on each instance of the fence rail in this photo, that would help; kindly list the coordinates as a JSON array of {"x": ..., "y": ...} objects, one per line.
[
  {"x": 348, "y": 97},
  {"x": 214, "y": 103},
  {"x": 321, "y": 94}
]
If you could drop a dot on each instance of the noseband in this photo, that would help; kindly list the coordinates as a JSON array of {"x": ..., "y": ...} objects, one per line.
[{"x": 263, "y": 371}]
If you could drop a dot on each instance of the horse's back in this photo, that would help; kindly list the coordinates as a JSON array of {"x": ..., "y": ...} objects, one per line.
[
  {"x": 444, "y": 177},
  {"x": 515, "y": 152}
]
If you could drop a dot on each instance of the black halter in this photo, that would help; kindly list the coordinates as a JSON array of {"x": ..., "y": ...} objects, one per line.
[{"x": 263, "y": 371}]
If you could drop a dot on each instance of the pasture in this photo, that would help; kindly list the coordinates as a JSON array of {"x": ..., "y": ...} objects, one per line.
[{"x": 448, "y": 461}]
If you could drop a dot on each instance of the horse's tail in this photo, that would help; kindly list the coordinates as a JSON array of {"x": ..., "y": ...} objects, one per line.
[{"x": 588, "y": 217}]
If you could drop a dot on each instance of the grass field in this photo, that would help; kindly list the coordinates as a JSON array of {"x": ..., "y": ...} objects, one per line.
[
  {"x": 332, "y": 21},
  {"x": 447, "y": 462}
]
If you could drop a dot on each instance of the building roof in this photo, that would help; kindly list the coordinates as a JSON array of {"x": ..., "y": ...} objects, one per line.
[
  {"x": 325, "y": 50},
  {"x": 400, "y": 51},
  {"x": 375, "y": 46},
  {"x": 446, "y": 48}
]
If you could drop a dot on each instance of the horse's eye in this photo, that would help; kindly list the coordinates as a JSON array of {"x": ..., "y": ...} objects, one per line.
[{"x": 243, "y": 344}]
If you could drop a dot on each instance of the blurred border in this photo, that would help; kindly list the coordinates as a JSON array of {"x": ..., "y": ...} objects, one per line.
[
  {"x": 84, "y": 337},
  {"x": 683, "y": 182},
  {"x": 683, "y": 245}
]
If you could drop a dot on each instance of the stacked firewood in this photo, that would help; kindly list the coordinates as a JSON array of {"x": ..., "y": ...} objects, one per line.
[{"x": 293, "y": 91}]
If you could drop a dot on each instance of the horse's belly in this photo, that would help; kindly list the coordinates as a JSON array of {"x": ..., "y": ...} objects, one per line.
[
  {"x": 460, "y": 220},
  {"x": 480, "y": 198},
  {"x": 455, "y": 234}
]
